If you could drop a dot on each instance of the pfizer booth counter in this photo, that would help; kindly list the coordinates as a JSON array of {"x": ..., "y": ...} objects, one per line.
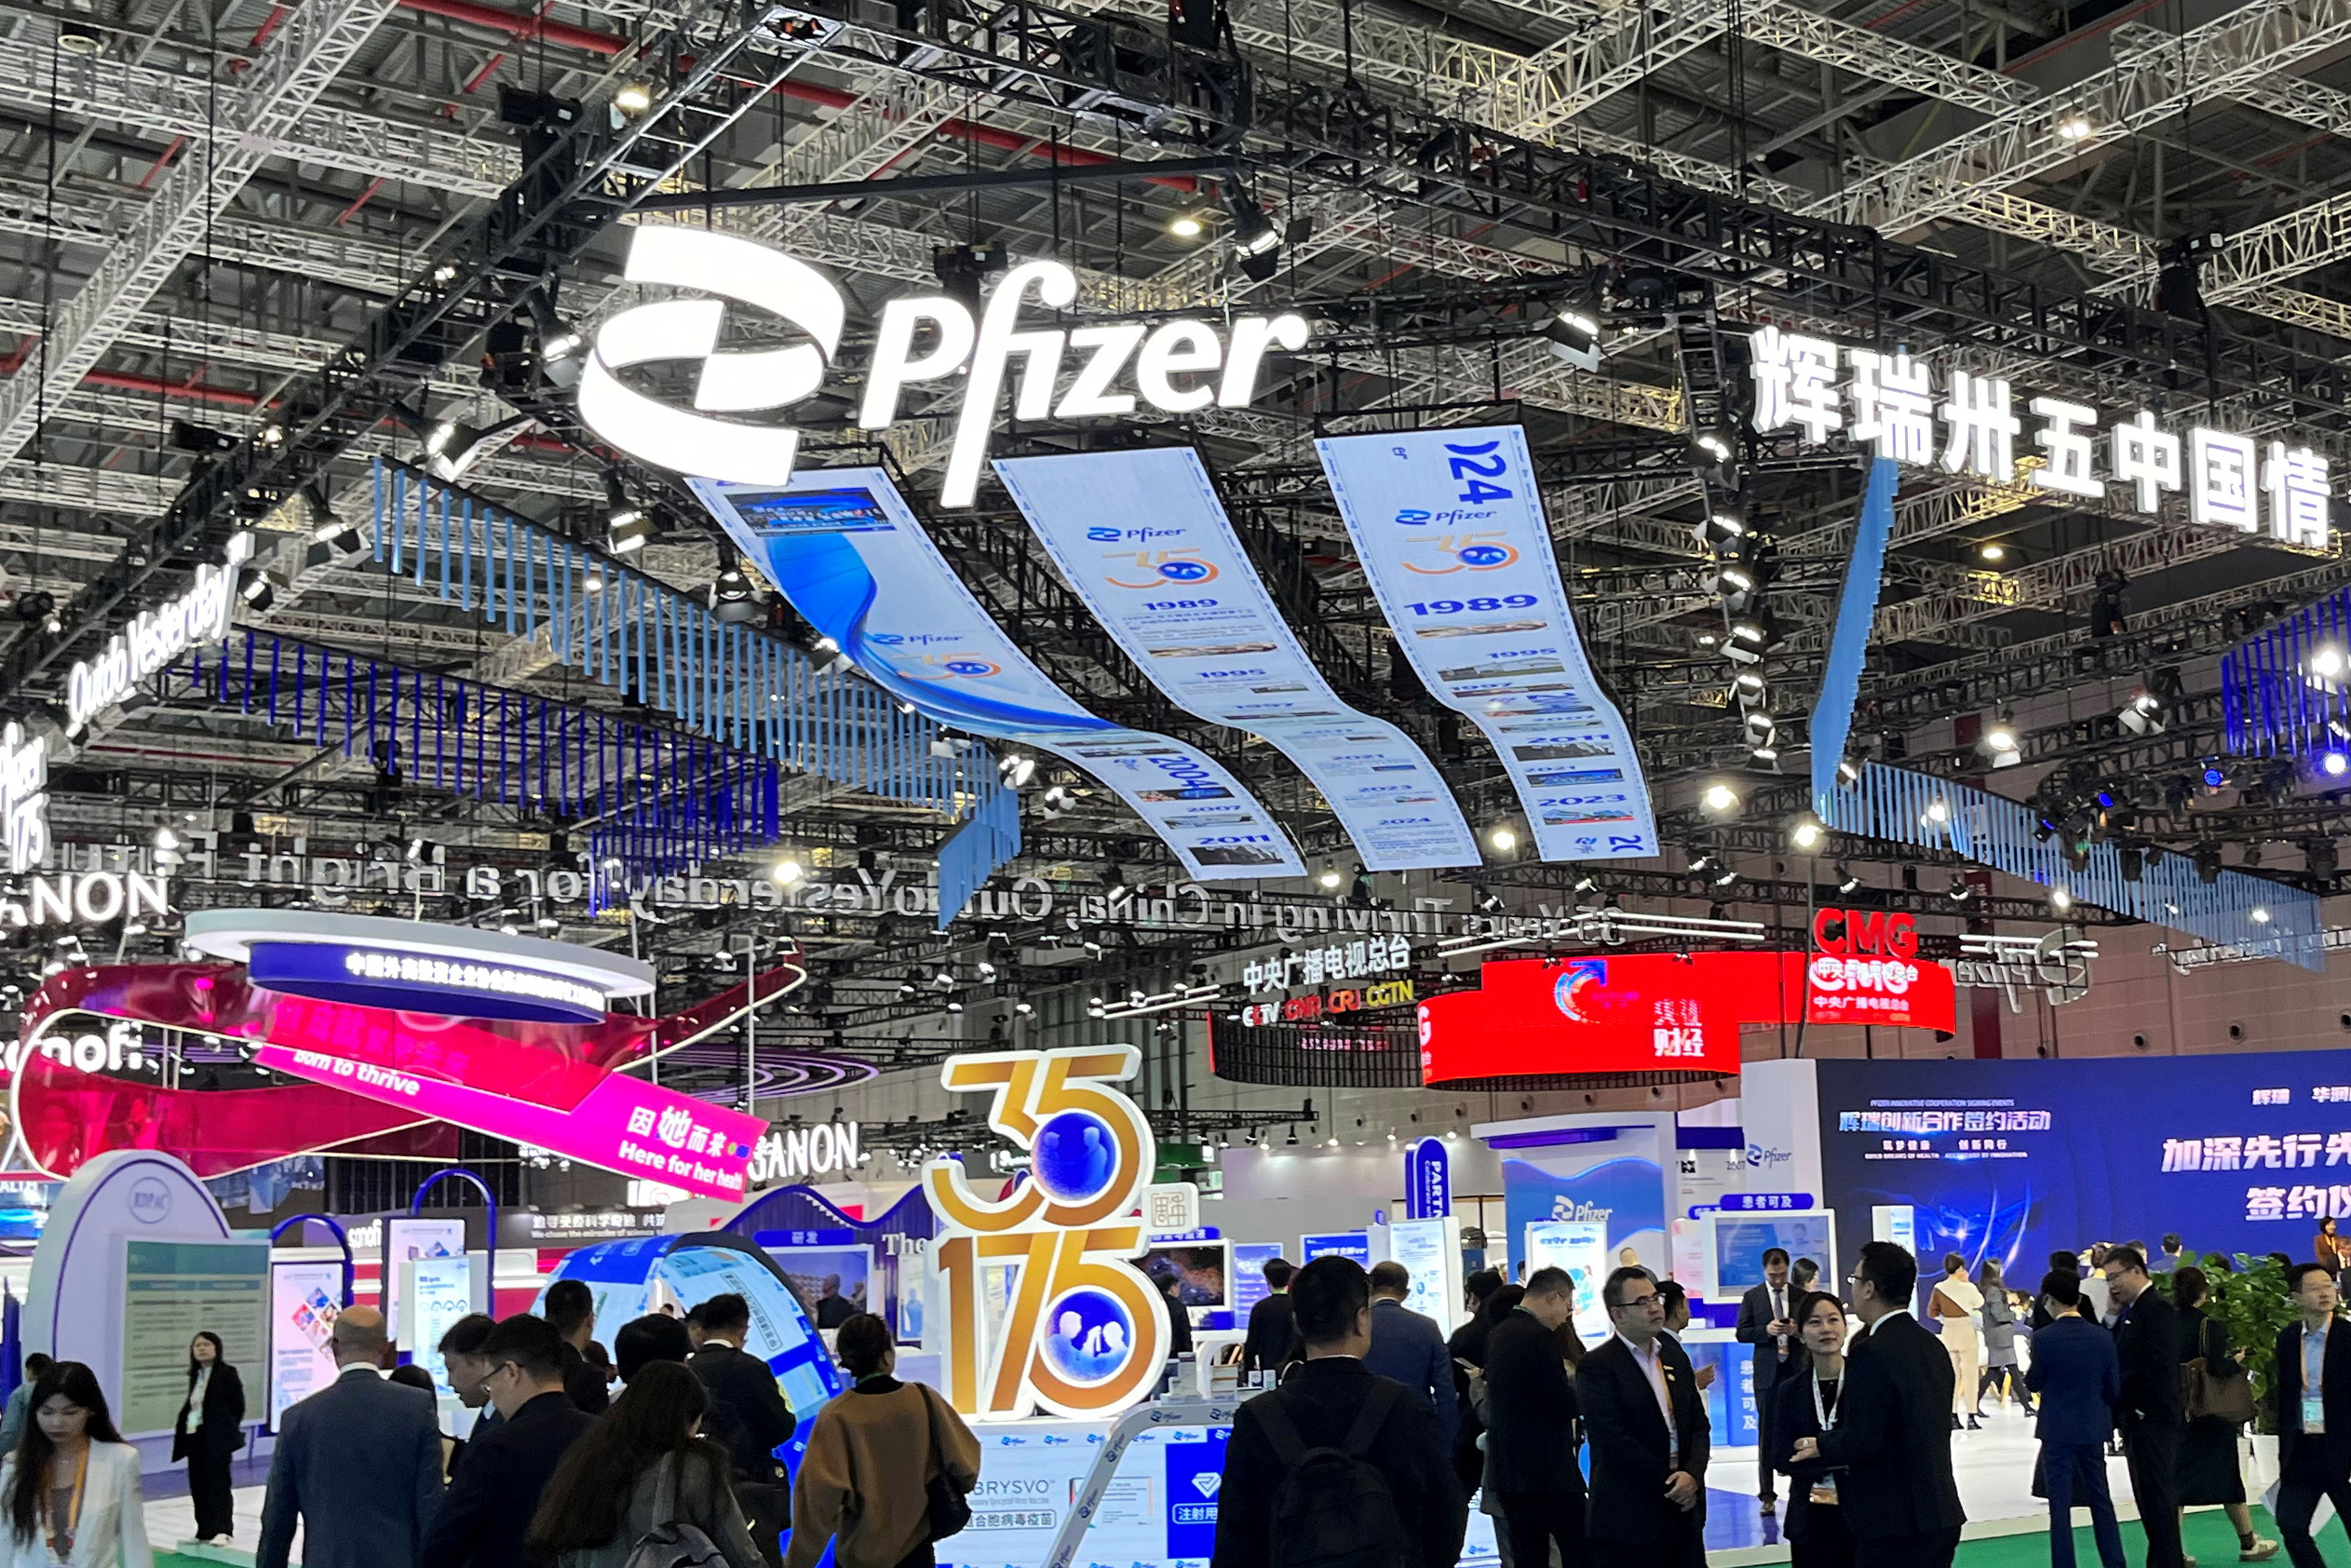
[{"x": 1039, "y": 1321}]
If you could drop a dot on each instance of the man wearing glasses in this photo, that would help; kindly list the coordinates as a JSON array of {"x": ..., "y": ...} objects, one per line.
[
  {"x": 1647, "y": 1423},
  {"x": 1893, "y": 1437},
  {"x": 482, "y": 1520}
]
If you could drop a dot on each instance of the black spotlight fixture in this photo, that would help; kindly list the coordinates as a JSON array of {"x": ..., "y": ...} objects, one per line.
[
  {"x": 1574, "y": 338},
  {"x": 186, "y": 436},
  {"x": 1256, "y": 242},
  {"x": 733, "y": 602},
  {"x": 962, "y": 270}
]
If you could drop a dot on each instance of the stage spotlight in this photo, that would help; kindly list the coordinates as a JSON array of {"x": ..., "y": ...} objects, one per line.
[
  {"x": 1959, "y": 891},
  {"x": 1992, "y": 554},
  {"x": 1016, "y": 770},
  {"x": 1575, "y": 339},
  {"x": 732, "y": 600},
  {"x": 2000, "y": 742},
  {"x": 197, "y": 438},
  {"x": 259, "y": 592},
  {"x": 2260, "y": 914},
  {"x": 785, "y": 871},
  {"x": 629, "y": 530},
  {"x": 2060, "y": 900},
  {"x": 1187, "y": 225},
  {"x": 1714, "y": 447},
  {"x": 2075, "y": 127},
  {"x": 1846, "y": 881},
  {"x": 1849, "y": 771},
  {"x": 1938, "y": 812},
  {"x": 1719, "y": 528},
  {"x": 1502, "y": 837},
  {"x": 2131, "y": 861},
  {"x": 1807, "y": 834},
  {"x": 633, "y": 99},
  {"x": 1256, "y": 243},
  {"x": 2143, "y": 714},
  {"x": 1328, "y": 877},
  {"x": 2334, "y": 763},
  {"x": 962, "y": 270},
  {"x": 1720, "y": 799},
  {"x": 2215, "y": 775},
  {"x": 1486, "y": 899}
]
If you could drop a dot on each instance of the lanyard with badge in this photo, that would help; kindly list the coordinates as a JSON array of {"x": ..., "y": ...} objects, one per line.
[
  {"x": 1824, "y": 1488},
  {"x": 2314, "y": 1400},
  {"x": 61, "y": 1541}
]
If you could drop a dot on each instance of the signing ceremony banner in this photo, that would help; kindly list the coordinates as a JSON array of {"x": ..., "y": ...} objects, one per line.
[
  {"x": 1450, "y": 527},
  {"x": 1144, "y": 539},
  {"x": 844, "y": 548}
]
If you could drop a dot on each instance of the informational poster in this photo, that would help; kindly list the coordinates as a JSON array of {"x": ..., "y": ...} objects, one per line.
[
  {"x": 1581, "y": 1248},
  {"x": 406, "y": 1239},
  {"x": 1739, "y": 1241},
  {"x": 171, "y": 1290},
  {"x": 1248, "y": 1286},
  {"x": 436, "y": 1292},
  {"x": 1896, "y": 1223},
  {"x": 1430, "y": 1251},
  {"x": 832, "y": 1284},
  {"x": 847, "y": 552},
  {"x": 1144, "y": 539},
  {"x": 304, "y": 1300},
  {"x": 1449, "y": 525}
]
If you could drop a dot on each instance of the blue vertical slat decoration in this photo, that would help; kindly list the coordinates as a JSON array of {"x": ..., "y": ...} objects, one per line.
[
  {"x": 1848, "y": 643},
  {"x": 2246, "y": 912},
  {"x": 744, "y": 690}
]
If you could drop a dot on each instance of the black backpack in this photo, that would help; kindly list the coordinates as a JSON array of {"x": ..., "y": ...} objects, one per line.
[{"x": 1334, "y": 1508}]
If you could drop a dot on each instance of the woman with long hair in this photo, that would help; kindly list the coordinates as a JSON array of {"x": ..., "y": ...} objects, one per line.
[
  {"x": 2208, "y": 1471},
  {"x": 1809, "y": 1404},
  {"x": 209, "y": 1431},
  {"x": 873, "y": 1454},
  {"x": 643, "y": 1466},
  {"x": 70, "y": 1490}
]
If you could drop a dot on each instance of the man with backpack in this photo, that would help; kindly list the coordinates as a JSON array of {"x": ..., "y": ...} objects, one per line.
[{"x": 1337, "y": 1468}]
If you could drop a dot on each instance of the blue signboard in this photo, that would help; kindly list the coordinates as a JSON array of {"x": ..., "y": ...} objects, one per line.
[
  {"x": 1756, "y": 1203},
  {"x": 1353, "y": 1244},
  {"x": 1196, "y": 1473},
  {"x": 1245, "y": 1287},
  {"x": 1428, "y": 1179}
]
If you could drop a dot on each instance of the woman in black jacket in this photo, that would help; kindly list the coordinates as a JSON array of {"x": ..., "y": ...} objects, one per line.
[
  {"x": 2208, "y": 1471},
  {"x": 1818, "y": 1536},
  {"x": 210, "y": 1428}
]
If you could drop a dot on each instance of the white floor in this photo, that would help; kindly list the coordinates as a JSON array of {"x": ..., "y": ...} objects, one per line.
[{"x": 171, "y": 1523}]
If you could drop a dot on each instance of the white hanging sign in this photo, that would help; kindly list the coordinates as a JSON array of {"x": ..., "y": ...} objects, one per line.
[{"x": 155, "y": 639}]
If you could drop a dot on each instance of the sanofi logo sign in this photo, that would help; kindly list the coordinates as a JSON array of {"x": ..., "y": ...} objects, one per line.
[{"x": 1176, "y": 367}]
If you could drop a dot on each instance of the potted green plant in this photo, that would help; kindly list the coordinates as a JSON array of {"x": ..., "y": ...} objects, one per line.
[{"x": 2249, "y": 1301}]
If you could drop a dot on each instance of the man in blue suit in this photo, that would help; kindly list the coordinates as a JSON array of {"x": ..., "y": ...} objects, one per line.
[
  {"x": 1410, "y": 1347},
  {"x": 2078, "y": 1377},
  {"x": 358, "y": 1463}
]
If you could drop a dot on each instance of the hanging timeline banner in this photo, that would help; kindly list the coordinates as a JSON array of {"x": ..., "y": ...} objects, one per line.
[
  {"x": 1144, "y": 539},
  {"x": 844, "y": 548},
  {"x": 1450, "y": 528}
]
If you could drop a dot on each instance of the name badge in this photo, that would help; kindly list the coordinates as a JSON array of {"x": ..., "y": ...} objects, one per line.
[
  {"x": 2314, "y": 1413},
  {"x": 1825, "y": 1490}
]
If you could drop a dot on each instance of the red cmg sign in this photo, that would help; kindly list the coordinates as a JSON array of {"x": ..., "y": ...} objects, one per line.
[{"x": 1865, "y": 933}]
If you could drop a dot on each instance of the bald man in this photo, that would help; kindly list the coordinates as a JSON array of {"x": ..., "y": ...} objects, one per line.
[{"x": 358, "y": 1463}]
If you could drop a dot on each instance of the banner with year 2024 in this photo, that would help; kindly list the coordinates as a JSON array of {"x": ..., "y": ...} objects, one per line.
[
  {"x": 846, "y": 548},
  {"x": 1147, "y": 543},
  {"x": 1449, "y": 525}
]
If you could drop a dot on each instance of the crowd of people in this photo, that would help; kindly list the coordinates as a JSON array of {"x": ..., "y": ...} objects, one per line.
[
  {"x": 558, "y": 1470},
  {"x": 1856, "y": 1402}
]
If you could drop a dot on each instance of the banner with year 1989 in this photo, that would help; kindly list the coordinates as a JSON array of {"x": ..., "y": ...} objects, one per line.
[
  {"x": 846, "y": 548},
  {"x": 1145, "y": 542},
  {"x": 1450, "y": 528}
]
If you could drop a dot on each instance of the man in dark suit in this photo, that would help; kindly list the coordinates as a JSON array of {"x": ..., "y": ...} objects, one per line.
[
  {"x": 1763, "y": 1322},
  {"x": 570, "y": 1306},
  {"x": 2312, "y": 1386},
  {"x": 1409, "y": 1348},
  {"x": 1318, "y": 1407},
  {"x": 2151, "y": 1409},
  {"x": 1648, "y": 1429},
  {"x": 2078, "y": 1378},
  {"x": 748, "y": 1416},
  {"x": 1468, "y": 1342},
  {"x": 1273, "y": 1330},
  {"x": 1893, "y": 1433},
  {"x": 1530, "y": 1416},
  {"x": 481, "y": 1521},
  {"x": 358, "y": 1463}
]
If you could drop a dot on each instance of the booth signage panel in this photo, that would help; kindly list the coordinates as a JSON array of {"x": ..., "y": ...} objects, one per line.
[
  {"x": 1450, "y": 528},
  {"x": 437, "y": 1292},
  {"x": 362, "y": 976},
  {"x": 170, "y": 1290},
  {"x": 844, "y": 548},
  {"x": 1754, "y": 1203},
  {"x": 1736, "y": 1244},
  {"x": 1651, "y": 1013},
  {"x": 1247, "y": 1284},
  {"x": 1581, "y": 1248},
  {"x": 1144, "y": 539},
  {"x": 304, "y": 1300},
  {"x": 1430, "y": 1251},
  {"x": 410, "y": 1238},
  {"x": 1429, "y": 1181},
  {"x": 1353, "y": 1244}
]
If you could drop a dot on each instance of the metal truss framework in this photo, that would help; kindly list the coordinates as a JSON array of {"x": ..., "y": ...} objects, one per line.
[{"x": 306, "y": 54}]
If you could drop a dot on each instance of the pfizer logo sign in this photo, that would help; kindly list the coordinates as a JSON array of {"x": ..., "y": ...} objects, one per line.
[{"x": 150, "y": 1201}]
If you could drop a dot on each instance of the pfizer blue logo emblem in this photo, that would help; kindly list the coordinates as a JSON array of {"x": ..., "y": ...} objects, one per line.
[
  {"x": 1486, "y": 555},
  {"x": 1186, "y": 571},
  {"x": 1089, "y": 1335},
  {"x": 1074, "y": 1156},
  {"x": 970, "y": 667}
]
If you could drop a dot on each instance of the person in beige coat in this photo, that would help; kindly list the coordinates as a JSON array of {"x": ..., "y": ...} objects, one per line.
[
  {"x": 1954, "y": 1303},
  {"x": 860, "y": 1486},
  {"x": 70, "y": 1491}
]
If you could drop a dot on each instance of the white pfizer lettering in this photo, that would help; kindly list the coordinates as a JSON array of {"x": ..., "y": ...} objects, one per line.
[
  {"x": 1056, "y": 288},
  {"x": 894, "y": 367},
  {"x": 1178, "y": 348},
  {"x": 1251, "y": 336},
  {"x": 1089, "y": 396}
]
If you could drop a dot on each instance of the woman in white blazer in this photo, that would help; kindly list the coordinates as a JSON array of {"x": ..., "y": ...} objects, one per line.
[{"x": 70, "y": 1494}]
